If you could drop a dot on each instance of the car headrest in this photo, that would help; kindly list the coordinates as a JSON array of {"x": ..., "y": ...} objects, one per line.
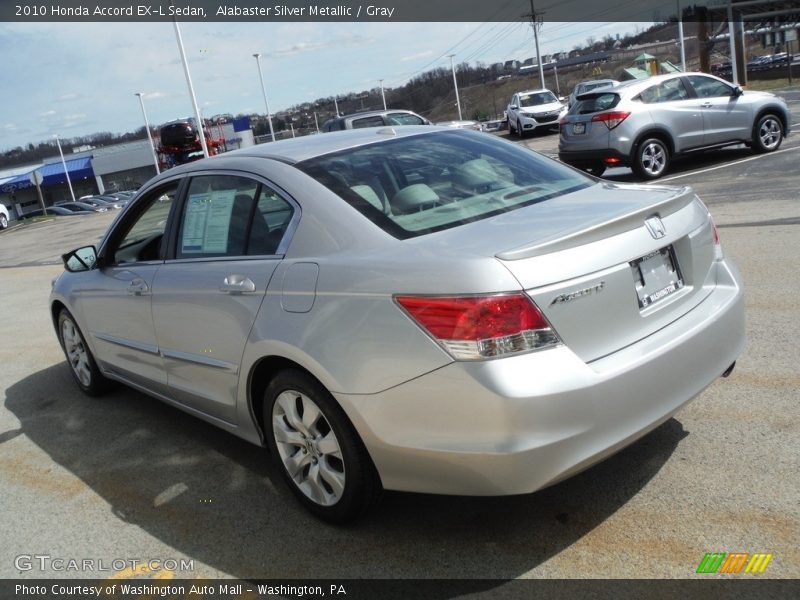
[{"x": 413, "y": 198}]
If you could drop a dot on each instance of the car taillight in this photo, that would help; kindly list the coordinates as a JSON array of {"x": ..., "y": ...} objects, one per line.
[
  {"x": 476, "y": 327},
  {"x": 612, "y": 118}
]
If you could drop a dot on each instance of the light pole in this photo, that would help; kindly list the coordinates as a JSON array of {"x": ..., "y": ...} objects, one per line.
[
  {"x": 147, "y": 128},
  {"x": 191, "y": 88},
  {"x": 64, "y": 164},
  {"x": 536, "y": 22},
  {"x": 316, "y": 122},
  {"x": 680, "y": 36},
  {"x": 383, "y": 95},
  {"x": 264, "y": 91},
  {"x": 336, "y": 104},
  {"x": 455, "y": 85}
]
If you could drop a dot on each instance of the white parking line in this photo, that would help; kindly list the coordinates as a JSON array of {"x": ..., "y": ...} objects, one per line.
[{"x": 726, "y": 165}]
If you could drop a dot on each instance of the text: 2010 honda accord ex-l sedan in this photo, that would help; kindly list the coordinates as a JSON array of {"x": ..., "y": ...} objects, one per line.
[{"x": 419, "y": 309}]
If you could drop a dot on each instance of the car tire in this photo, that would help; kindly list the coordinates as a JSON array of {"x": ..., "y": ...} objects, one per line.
[
  {"x": 596, "y": 169},
  {"x": 652, "y": 158},
  {"x": 81, "y": 362},
  {"x": 511, "y": 129},
  {"x": 520, "y": 132},
  {"x": 3, "y": 221},
  {"x": 767, "y": 134},
  {"x": 317, "y": 450}
]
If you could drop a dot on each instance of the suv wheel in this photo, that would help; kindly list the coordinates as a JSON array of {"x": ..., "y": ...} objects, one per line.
[
  {"x": 511, "y": 129},
  {"x": 3, "y": 221},
  {"x": 767, "y": 134},
  {"x": 652, "y": 159},
  {"x": 317, "y": 450}
]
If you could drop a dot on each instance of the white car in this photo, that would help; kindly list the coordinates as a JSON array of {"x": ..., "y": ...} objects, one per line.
[
  {"x": 4, "y": 218},
  {"x": 532, "y": 109}
]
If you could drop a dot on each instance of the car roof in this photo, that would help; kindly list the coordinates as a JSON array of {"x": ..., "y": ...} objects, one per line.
[
  {"x": 295, "y": 150},
  {"x": 535, "y": 91}
]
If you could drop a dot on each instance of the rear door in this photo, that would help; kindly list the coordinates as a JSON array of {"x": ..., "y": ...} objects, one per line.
[
  {"x": 672, "y": 105},
  {"x": 228, "y": 240}
]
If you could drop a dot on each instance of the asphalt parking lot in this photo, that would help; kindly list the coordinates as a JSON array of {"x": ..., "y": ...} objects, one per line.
[{"x": 126, "y": 477}]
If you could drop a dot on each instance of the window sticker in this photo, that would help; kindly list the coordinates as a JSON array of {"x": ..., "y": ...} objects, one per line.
[{"x": 207, "y": 221}]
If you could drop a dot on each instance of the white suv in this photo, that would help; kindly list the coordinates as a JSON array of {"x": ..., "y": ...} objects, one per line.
[
  {"x": 532, "y": 109},
  {"x": 3, "y": 216}
]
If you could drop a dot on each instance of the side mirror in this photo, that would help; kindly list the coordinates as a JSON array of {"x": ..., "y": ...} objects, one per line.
[
  {"x": 738, "y": 91},
  {"x": 513, "y": 107},
  {"x": 82, "y": 259},
  {"x": 562, "y": 99}
]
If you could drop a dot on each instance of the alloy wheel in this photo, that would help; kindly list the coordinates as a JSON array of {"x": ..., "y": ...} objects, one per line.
[
  {"x": 308, "y": 447},
  {"x": 77, "y": 356},
  {"x": 653, "y": 159},
  {"x": 770, "y": 133}
]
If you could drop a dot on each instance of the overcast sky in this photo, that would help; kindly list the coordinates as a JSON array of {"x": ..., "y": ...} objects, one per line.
[{"x": 75, "y": 79}]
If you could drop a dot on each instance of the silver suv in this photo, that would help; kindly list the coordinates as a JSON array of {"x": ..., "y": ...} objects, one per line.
[
  {"x": 643, "y": 124},
  {"x": 374, "y": 118}
]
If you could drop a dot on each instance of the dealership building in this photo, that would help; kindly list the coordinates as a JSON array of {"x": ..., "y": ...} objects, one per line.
[{"x": 94, "y": 171}]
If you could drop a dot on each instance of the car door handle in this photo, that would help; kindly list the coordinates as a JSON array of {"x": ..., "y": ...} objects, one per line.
[
  {"x": 138, "y": 287},
  {"x": 237, "y": 284},
  {"x": 706, "y": 105}
]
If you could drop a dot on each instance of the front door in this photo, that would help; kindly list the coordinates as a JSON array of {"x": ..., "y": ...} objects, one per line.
[{"x": 116, "y": 298}]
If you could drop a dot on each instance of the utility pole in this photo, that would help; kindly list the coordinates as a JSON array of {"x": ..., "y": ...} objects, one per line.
[
  {"x": 455, "y": 85},
  {"x": 680, "y": 36},
  {"x": 536, "y": 23},
  {"x": 383, "y": 95}
]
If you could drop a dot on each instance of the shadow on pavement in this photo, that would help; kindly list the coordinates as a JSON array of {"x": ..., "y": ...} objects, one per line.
[{"x": 219, "y": 500}]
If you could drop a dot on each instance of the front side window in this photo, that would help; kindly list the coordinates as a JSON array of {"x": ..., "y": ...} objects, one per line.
[
  {"x": 706, "y": 87},
  {"x": 227, "y": 215},
  {"x": 425, "y": 183},
  {"x": 142, "y": 240}
]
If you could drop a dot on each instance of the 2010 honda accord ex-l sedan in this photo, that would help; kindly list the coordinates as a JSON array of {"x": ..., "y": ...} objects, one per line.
[{"x": 419, "y": 309}]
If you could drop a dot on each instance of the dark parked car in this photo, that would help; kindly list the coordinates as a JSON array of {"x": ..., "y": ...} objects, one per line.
[
  {"x": 59, "y": 211},
  {"x": 84, "y": 206}
]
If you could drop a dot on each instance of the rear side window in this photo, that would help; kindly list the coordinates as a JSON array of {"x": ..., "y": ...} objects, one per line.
[
  {"x": 375, "y": 121},
  {"x": 667, "y": 91},
  {"x": 404, "y": 119},
  {"x": 420, "y": 184},
  {"x": 231, "y": 216},
  {"x": 595, "y": 103}
]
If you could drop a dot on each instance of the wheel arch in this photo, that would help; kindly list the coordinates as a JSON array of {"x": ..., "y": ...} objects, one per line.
[
  {"x": 654, "y": 132},
  {"x": 771, "y": 110},
  {"x": 261, "y": 373}
]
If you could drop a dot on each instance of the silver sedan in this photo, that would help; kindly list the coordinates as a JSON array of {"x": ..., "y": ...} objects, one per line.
[{"x": 416, "y": 308}]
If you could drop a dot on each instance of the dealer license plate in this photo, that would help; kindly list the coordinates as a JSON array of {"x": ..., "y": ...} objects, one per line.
[
  {"x": 656, "y": 276},
  {"x": 578, "y": 128}
]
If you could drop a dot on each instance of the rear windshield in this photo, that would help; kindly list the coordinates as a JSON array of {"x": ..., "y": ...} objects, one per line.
[
  {"x": 417, "y": 185},
  {"x": 593, "y": 103}
]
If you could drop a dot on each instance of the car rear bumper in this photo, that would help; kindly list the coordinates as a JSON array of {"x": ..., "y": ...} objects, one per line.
[
  {"x": 582, "y": 158},
  {"x": 515, "y": 425}
]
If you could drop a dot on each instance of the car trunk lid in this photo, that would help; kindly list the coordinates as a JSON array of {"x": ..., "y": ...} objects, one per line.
[{"x": 611, "y": 267}]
